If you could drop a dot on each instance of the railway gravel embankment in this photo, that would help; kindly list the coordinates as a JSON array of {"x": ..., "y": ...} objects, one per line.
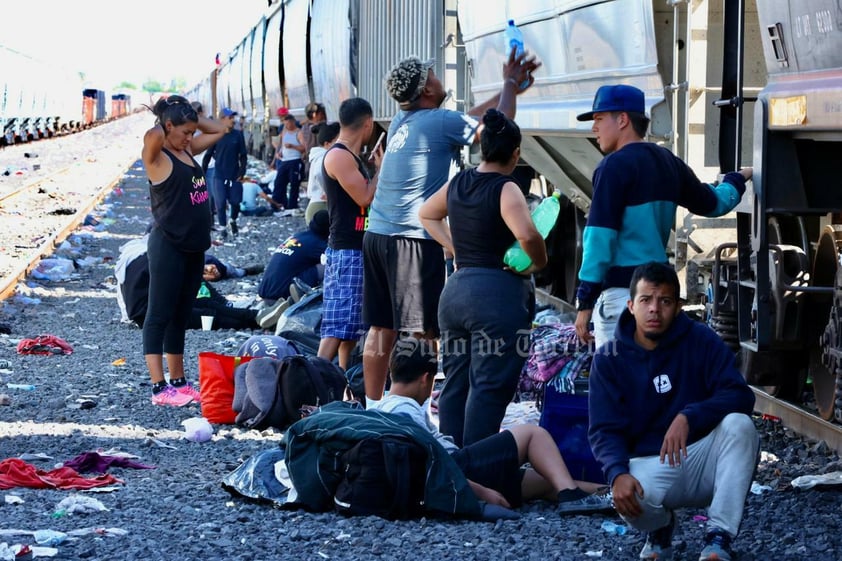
[{"x": 97, "y": 398}]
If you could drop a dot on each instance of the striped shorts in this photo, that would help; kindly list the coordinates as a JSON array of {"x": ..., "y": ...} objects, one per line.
[{"x": 343, "y": 295}]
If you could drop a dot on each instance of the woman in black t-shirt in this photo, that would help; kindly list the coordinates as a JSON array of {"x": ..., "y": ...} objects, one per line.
[
  {"x": 176, "y": 249},
  {"x": 485, "y": 309}
]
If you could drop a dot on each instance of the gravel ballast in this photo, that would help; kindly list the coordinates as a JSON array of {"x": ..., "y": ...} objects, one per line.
[{"x": 97, "y": 398}]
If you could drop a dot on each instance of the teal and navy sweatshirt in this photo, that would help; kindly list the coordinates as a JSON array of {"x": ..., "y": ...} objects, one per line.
[
  {"x": 636, "y": 191},
  {"x": 635, "y": 394}
]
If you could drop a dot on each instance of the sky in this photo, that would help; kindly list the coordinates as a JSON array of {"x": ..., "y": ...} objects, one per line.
[{"x": 113, "y": 41}]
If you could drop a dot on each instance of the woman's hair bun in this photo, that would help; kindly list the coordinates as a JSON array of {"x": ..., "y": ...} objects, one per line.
[{"x": 494, "y": 120}]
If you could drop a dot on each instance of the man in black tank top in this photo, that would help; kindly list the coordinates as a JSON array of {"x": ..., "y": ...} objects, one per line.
[{"x": 349, "y": 191}]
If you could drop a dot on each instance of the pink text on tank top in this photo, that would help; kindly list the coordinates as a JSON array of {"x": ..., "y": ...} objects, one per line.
[{"x": 200, "y": 191}]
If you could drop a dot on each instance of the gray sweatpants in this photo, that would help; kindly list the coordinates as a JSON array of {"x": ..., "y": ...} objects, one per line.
[{"x": 716, "y": 474}]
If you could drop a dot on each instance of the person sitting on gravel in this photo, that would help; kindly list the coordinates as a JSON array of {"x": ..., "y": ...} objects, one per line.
[
  {"x": 493, "y": 465},
  {"x": 132, "y": 273},
  {"x": 670, "y": 419},
  {"x": 298, "y": 256}
]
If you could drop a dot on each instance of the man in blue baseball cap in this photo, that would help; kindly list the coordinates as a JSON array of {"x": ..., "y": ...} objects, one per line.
[{"x": 636, "y": 190}]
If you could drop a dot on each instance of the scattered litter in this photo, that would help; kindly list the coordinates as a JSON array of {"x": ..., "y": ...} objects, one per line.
[
  {"x": 82, "y": 404},
  {"x": 810, "y": 481},
  {"x": 38, "y": 456},
  {"x": 13, "y": 500},
  {"x": 758, "y": 489},
  {"x": 54, "y": 269},
  {"x": 118, "y": 453},
  {"x": 48, "y": 537},
  {"x": 700, "y": 518},
  {"x": 119, "y": 362},
  {"x": 108, "y": 489},
  {"x": 613, "y": 528},
  {"x": 160, "y": 444},
  {"x": 44, "y": 551},
  {"x": 27, "y": 387},
  {"x": 594, "y": 554},
  {"x": 5, "y": 399},
  {"x": 79, "y": 503},
  {"x": 5, "y": 364},
  {"x": 197, "y": 429}
]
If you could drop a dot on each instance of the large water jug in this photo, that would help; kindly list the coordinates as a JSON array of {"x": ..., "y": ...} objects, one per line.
[{"x": 544, "y": 217}]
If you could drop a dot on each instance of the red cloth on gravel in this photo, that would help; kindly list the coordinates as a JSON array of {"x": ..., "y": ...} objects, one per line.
[
  {"x": 15, "y": 472},
  {"x": 44, "y": 345}
]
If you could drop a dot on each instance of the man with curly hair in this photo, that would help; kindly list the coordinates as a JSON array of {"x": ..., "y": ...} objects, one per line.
[{"x": 422, "y": 153}]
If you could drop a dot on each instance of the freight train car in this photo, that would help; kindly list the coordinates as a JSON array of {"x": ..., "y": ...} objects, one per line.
[
  {"x": 771, "y": 293},
  {"x": 37, "y": 100}
]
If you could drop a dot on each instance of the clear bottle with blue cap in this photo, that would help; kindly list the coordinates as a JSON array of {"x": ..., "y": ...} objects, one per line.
[{"x": 513, "y": 38}]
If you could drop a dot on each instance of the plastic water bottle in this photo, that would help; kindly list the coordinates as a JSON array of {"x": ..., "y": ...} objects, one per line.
[
  {"x": 612, "y": 528},
  {"x": 513, "y": 38},
  {"x": 544, "y": 217}
]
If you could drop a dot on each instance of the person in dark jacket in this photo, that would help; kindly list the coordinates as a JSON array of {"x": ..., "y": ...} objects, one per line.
[
  {"x": 231, "y": 156},
  {"x": 670, "y": 419},
  {"x": 298, "y": 256}
]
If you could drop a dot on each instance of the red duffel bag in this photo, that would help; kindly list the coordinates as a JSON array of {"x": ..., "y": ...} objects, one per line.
[{"x": 216, "y": 386}]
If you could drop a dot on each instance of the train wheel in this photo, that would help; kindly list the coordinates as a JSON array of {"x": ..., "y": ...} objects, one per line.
[{"x": 825, "y": 356}]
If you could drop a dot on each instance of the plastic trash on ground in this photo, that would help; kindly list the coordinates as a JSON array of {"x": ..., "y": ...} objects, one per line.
[
  {"x": 197, "y": 429},
  {"x": 54, "y": 269},
  {"x": 758, "y": 489},
  {"x": 257, "y": 479},
  {"x": 614, "y": 528},
  {"x": 810, "y": 481},
  {"x": 79, "y": 504}
]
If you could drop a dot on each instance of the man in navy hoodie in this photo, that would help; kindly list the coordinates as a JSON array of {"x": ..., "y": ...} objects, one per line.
[
  {"x": 670, "y": 419},
  {"x": 231, "y": 158}
]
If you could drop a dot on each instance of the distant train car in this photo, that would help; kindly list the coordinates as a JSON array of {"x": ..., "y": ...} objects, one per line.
[{"x": 37, "y": 100}]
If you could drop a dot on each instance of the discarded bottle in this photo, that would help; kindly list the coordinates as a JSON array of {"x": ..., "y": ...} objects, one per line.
[
  {"x": 27, "y": 387},
  {"x": 544, "y": 217},
  {"x": 612, "y": 528},
  {"x": 4, "y": 364},
  {"x": 514, "y": 40},
  {"x": 48, "y": 537}
]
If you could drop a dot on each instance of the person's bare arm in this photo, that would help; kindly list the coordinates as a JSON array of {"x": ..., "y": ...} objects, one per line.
[
  {"x": 516, "y": 71},
  {"x": 158, "y": 167},
  {"x": 341, "y": 166},
  {"x": 433, "y": 214},
  {"x": 211, "y": 130},
  {"x": 515, "y": 213}
]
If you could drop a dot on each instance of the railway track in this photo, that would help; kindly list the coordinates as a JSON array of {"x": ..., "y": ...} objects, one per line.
[{"x": 40, "y": 208}]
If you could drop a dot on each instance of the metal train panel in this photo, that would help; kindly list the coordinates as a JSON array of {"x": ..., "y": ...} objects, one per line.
[
  {"x": 391, "y": 30},
  {"x": 256, "y": 72},
  {"x": 332, "y": 54},
  {"x": 272, "y": 66},
  {"x": 294, "y": 54}
]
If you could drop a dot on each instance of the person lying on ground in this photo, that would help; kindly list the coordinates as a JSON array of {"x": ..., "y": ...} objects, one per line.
[
  {"x": 216, "y": 269},
  {"x": 494, "y": 465}
]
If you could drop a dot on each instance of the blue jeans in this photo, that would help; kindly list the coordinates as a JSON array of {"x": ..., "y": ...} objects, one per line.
[
  {"x": 484, "y": 317},
  {"x": 227, "y": 191}
]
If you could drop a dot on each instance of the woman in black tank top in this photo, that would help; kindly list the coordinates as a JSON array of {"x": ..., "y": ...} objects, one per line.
[
  {"x": 485, "y": 310},
  {"x": 181, "y": 234}
]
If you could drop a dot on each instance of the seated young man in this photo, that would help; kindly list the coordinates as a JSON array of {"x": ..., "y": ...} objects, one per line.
[{"x": 493, "y": 466}]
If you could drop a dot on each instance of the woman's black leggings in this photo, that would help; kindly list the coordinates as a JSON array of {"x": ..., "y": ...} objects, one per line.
[{"x": 174, "y": 280}]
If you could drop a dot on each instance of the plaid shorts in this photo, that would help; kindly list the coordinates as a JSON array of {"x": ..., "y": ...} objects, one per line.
[{"x": 343, "y": 295}]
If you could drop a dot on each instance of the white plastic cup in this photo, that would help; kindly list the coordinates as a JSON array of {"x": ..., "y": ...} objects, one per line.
[{"x": 207, "y": 323}]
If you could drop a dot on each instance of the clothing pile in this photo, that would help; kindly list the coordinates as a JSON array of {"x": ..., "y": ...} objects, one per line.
[{"x": 556, "y": 358}]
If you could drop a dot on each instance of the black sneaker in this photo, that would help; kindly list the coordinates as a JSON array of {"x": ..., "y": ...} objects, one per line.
[
  {"x": 587, "y": 504},
  {"x": 658, "y": 545},
  {"x": 234, "y": 228},
  {"x": 254, "y": 269}
]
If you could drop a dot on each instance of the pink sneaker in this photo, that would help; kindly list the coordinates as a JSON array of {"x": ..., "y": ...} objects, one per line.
[
  {"x": 188, "y": 389},
  {"x": 169, "y": 396}
]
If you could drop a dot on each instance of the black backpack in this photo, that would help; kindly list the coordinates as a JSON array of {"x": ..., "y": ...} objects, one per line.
[
  {"x": 309, "y": 380},
  {"x": 384, "y": 476},
  {"x": 271, "y": 392}
]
